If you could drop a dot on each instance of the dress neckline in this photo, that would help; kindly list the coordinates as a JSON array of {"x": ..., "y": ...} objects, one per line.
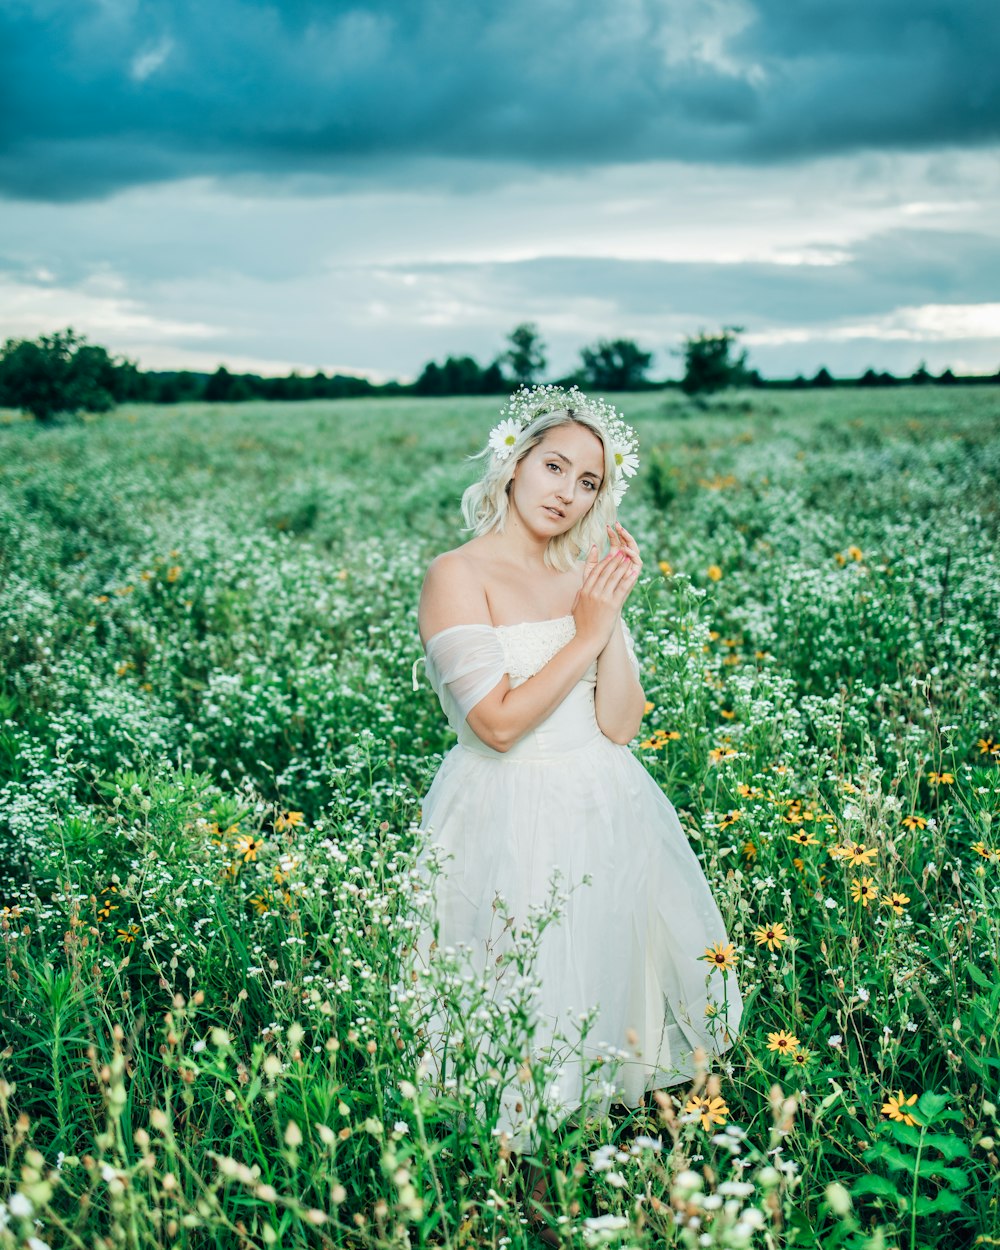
[{"x": 547, "y": 620}]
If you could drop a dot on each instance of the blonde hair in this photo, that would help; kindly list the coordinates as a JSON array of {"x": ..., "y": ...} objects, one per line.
[{"x": 485, "y": 504}]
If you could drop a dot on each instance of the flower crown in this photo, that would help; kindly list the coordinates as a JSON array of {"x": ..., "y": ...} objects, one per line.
[{"x": 525, "y": 405}]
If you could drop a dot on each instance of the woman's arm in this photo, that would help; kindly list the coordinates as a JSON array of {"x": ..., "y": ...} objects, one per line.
[
  {"x": 619, "y": 699},
  {"x": 507, "y": 713}
]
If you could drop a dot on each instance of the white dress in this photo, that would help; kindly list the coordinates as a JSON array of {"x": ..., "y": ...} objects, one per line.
[{"x": 629, "y": 943}]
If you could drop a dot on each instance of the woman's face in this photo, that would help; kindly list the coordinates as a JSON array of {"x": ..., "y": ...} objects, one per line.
[{"x": 556, "y": 483}]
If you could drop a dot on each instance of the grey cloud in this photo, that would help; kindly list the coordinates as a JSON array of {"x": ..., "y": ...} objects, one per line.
[{"x": 96, "y": 98}]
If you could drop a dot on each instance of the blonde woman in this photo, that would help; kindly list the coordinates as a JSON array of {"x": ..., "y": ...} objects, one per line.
[{"x": 527, "y": 650}]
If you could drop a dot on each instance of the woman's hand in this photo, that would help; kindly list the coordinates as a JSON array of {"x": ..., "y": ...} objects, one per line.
[
  {"x": 622, "y": 540},
  {"x": 606, "y": 584}
]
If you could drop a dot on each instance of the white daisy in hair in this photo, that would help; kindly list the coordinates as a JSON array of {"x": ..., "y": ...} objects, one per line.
[
  {"x": 503, "y": 437},
  {"x": 627, "y": 461}
]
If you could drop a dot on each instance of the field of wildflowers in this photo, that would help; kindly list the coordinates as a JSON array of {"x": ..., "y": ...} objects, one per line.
[{"x": 211, "y": 764}]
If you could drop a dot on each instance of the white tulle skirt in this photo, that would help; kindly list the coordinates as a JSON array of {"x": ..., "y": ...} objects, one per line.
[{"x": 628, "y": 944}]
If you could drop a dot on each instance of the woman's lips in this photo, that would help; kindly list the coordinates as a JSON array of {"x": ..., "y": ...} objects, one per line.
[{"x": 555, "y": 512}]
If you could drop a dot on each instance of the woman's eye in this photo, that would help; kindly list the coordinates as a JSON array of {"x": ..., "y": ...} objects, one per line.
[{"x": 553, "y": 465}]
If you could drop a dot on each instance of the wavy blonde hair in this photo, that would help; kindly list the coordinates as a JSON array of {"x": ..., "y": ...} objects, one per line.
[{"x": 485, "y": 504}]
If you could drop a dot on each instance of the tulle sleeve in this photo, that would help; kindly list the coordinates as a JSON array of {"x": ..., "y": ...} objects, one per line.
[{"x": 464, "y": 663}]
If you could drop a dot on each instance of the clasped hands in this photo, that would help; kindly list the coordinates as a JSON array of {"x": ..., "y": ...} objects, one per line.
[{"x": 606, "y": 586}]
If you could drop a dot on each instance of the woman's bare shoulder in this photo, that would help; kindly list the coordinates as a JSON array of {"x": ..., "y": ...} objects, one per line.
[{"x": 453, "y": 592}]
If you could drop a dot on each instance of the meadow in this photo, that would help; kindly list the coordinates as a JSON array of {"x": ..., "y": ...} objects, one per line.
[{"x": 212, "y": 757}]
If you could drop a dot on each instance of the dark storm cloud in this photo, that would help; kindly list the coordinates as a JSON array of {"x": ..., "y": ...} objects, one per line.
[{"x": 98, "y": 96}]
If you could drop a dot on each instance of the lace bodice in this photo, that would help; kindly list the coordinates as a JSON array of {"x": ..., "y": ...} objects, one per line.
[
  {"x": 466, "y": 662},
  {"x": 529, "y": 646}
]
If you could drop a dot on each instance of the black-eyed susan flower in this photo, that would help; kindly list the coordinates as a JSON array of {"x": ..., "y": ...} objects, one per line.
[
  {"x": 782, "y": 1042},
  {"x": 863, "y": 891},
  {"x": 855, "y": 553},
  {"x": 288, "y": 820},
  {"x": 803, "y": 838},
  {"x": 913, "y": 821},
  {"x": 895, "y": 1108},
  {"x": 856, "y": 853},
  {"x": 896, "y": 900},
  {"x": 721, "y": 753},
  {"x": 714, "y": 572},
  {"x": 749, "y": 850},
  {"x": 749, "y": 792},
  {"x": 709, "y": 1110},
  {"x": 127, "y": 936},
  {"x": 800, "y": 1057},
  {"x": 248, "y": 846},
  {"x": 722, "y": 955},
  {"x": 770, "y": 935},
  {"x": 941, "y": 779},
  {"x": 262, "y": 903},
  {"x": 730, "y": 818},
  {"x": 987, "y": 852},
  {"x": 987, "y": 746}
]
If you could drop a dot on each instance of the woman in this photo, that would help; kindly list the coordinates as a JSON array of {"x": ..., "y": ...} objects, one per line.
[{"x": 527, "y": 651}]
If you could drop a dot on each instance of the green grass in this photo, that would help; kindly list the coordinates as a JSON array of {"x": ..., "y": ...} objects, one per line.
[{"x": 211, "y": 763}]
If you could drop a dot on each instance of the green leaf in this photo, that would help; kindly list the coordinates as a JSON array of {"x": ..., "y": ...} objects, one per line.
[
  {"x": 944, "y": 1200},
  {"x": 977, "y": 976},
  {"x": 876, "y": 1186},
  {"x": 895, "y": 1160},
  {"x": 906, "y": 1134},
  {"x": 931, "y": 1105},
  {"x": 951, "y": 1146},
  {"x": 954, "y": 1177}
]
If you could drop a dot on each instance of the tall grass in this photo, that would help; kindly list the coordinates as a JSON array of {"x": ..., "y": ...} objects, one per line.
[{"x": 211, "y": 763}]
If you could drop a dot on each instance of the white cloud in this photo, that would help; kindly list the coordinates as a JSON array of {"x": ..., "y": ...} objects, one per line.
[
  {"x": 146, "y": 63},
  {"x": 934, "y": 323}
]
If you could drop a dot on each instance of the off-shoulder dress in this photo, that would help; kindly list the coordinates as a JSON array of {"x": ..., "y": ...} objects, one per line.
[{"x": 629, "y": 943}]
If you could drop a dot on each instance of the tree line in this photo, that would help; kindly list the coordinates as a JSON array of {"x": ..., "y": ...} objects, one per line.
[{"x": 62, "y": 372}]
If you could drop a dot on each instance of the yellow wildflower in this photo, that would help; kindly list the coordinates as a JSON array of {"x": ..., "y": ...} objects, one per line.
[
  {"x": 914, "y": 821},
  {"x": 896, "y": 901},
  {"x": 895, "y": 1108},
  {"x": 248, "y": 846},
  {"x": 941, "y": 779},
  {"x": 784, "y": 1043},
  {"x": 770, "y": 935},
  {"x": 721, "y": 955},
  {"x": 863, "y": 891},
  {"x": 714, "y": 572},
  {"x": 857, "y": 853},
  {"x": 709, "y": 1110}
]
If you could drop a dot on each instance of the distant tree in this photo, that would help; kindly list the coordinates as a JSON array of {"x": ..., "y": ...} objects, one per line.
[
  {"x": 493, "y": 380},
  {"x": 947, "y": 378},
  {"x": 823, "y": 377},
  {"x": 62, "y": 372},
  {"x": 218, "y": 386},
  {"x": 872, "y": 377},
  {"x": 430, "y": 381},
  {"x": 619, "y": 365},
  {"x": 711, "y": 362},
  {"x": 462, "y": 376},
  {"x": 526, "y": 354},
  {"x": 920, "y": 376},
  {"x": 242, "y": 389}
]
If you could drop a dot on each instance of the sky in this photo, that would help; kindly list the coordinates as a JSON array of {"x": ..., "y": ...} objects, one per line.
[{"x": 364, "y": 187}]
